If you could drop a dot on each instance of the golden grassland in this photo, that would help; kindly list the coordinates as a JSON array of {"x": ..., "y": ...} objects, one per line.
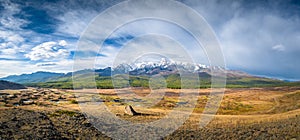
[{"x": 240, "y": 108}]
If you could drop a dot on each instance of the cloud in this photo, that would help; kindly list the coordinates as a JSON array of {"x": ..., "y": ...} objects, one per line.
[
  {"x": 246, "y": 32},
  {"x": 251, "y": 35},
  {"x": 10, "y": 39},
  {"x": 279, "y": 48},
  {"x": 12, "y": 67},
  {"x": 139, "y": 28},
  {"x": 8, "y": 19},
  {"x": 74, "y": 16},
  {"x": 73, "y": 23},
  {"x": 59, "y": 66},
  {"x": 48, "y": 51},
  {"x": 9, "y": 46},
  {"x": 261, "y": 37},
  {"x": 62, "y": 43},
  {"x": 246, "y": 42},
  {"x": 10, "y": 36},
  {"x": 10, "y": 51}
]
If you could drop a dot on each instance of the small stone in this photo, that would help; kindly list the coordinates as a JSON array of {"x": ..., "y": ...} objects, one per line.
[
  {"x": 87, "y": 124},
  {"x": 14, "y": 119}
]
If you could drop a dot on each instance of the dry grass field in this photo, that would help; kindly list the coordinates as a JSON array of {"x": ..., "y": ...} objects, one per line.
[{"x": 245, "y": 113}]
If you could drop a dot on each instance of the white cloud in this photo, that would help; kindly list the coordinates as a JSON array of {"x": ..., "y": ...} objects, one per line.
[
  {"x": 10, "y": 36},
  {"x": 279, "y": 48},
  {"x": 74, "y": 22},
  {"x": 12, "y": 40},
  {"x": 246, "y": 41},
  {"x": 15, "y": 38},
  {"x": 62, "y": 43},
  {"x": 7, "y": 16},
  {"x": 152, "y": 45},
  {"x": 48, "y": 51},
  {"x": 63, "y": 65},
  {"x": 10, "y": 51},
  {"x": 251, "y": 33}
]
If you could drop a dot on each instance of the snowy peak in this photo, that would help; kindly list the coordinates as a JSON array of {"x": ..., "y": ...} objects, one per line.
[{"x": 163, "y": 66}]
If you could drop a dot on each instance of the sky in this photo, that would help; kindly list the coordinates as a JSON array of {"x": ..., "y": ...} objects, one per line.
[{"x": 260, "y": 37}]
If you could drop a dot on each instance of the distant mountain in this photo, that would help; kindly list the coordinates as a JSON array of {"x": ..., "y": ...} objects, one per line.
[
  {"x": 10, "y": 85},
  {"x": 141, "y": 72},
  {"x": 34, "y": 77},
  {"x": 104, "y": 72},
  {"x": 166, "y": 68}
]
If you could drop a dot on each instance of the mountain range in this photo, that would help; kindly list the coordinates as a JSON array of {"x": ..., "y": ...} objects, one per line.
[
  {"x": 137, "y": 69},
  {"x": 36, "y": 77},
  {"x": 170, "y": 70}
]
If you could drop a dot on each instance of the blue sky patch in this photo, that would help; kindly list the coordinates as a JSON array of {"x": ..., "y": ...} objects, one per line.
[
  {"x": 40, "y": 21},
  {"x": 118, "y": 41}
]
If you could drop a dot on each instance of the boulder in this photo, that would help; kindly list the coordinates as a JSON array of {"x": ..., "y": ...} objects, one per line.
[
  {"x": 130, "y": 111},
  {"x": 28, "y": 102},
  {"x": 11, "y": 96}
]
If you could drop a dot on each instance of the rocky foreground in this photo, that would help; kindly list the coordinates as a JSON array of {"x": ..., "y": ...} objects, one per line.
[
  {"x": 34, "y": 96},
  {"x": 26, "y": 124}
]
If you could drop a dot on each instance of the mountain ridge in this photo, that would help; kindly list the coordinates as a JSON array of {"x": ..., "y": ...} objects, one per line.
[
  {"x": 39, "y": 76},
  {"x": 146, "y": 69},
  {"x": 10, "y": 85},
  {"x": 143, "y": 71}
]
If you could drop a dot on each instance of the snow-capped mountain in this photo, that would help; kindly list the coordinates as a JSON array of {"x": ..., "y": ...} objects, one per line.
[
  {"x": 164, "y": 63},
  {"x": 163, "y": 67}
]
